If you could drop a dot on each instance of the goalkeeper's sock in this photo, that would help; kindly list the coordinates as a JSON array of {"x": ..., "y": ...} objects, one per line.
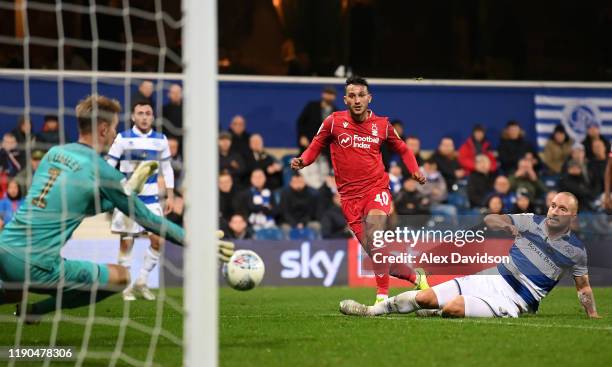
[
  {"x": 402, "y": 303},
  {"x": 151, "y": 260}
]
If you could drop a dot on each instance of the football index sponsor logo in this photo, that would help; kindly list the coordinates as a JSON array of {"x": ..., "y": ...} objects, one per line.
[
  {"x": 364, "y": 142},
  {"x": 345, "y": 140}
]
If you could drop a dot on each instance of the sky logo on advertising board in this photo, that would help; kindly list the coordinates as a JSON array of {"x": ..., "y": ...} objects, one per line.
[{"x": 300, "y": 264}]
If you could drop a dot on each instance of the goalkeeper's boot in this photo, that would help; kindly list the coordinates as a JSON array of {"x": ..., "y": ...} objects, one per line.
[
  {"x": 421, "y": 279},
  {"x": 128, "y": 294},
  {"x": 29, "y": 318},
  {"x": 144, "y": 292},
  {"x": 140, "y": 176},
  {"x": 354, "y": 308}
]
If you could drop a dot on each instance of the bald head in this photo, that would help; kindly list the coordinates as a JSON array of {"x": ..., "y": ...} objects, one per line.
[
  {"x": 568, "y": 200},
  {"x": 562, "y": 210}
]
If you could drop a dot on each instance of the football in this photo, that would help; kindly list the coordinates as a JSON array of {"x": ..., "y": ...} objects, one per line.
[{"x": 244, "y": 270}]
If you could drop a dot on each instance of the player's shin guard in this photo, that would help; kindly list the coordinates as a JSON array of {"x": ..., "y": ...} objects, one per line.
[{"x": 151, "y": 260}]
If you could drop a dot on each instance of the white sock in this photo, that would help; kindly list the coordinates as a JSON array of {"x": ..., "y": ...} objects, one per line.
[
  {"x": 125, "y": 258},
  {"x": 150, "y": 261},
  {"x": 402, "y": 303}
]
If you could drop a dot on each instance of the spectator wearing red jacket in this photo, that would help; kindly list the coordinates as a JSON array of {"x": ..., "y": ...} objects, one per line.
[{"x": 473, "y": 146}]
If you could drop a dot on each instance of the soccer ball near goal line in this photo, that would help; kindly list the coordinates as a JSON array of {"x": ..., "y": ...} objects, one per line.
[{"x": 244, "y": 270}]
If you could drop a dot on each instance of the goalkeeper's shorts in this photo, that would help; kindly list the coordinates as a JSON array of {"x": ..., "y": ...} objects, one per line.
[
  {"x": 123, "y": 224},
  {"x": 73, "y": 274}
]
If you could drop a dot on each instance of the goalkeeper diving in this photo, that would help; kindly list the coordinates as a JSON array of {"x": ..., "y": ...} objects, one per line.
[{"x": 74, "y": 182}]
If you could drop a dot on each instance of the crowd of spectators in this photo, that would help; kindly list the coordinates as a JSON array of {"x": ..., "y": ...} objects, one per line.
[
  {"x": 258, "y": 192},
  {"x": 260, "y": 197}
]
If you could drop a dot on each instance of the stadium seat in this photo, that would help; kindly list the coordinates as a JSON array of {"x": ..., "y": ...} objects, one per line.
[
  {"x": 270, "y": 234},
  {"x": 302, "y": 234}
]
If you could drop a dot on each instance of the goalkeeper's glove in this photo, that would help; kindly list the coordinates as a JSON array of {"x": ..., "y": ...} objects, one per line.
[
  {"x": 140, "y": 176},
  {"x": 226, "y": 248}
]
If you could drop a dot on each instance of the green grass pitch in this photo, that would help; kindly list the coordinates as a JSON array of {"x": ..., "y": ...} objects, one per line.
[{"x": 300, "y": 326}]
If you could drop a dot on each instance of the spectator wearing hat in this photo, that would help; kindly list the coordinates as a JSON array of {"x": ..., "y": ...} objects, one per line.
[
  {"x": 50, "y": 135},
  {"x": 24, "y": 177},
  {"x": 513, "y": 147},
  {"x": 557, "y": 149},
  {"x": 229, "y": 161},
  {"x": 476, "y": 144}
]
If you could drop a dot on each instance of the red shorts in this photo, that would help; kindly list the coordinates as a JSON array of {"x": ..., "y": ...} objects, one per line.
[{"x": 355, "y": 210}]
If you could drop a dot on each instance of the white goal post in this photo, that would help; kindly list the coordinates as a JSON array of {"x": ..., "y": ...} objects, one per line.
[{"x": 200, "y": 336}]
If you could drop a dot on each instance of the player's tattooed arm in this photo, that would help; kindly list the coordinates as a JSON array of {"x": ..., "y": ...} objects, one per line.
[{"x": 585, "y": 296}]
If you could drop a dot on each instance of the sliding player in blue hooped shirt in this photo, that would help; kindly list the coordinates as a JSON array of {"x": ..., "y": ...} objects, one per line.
[
  {"x": 73, "y": 182},
  {"x": 545, "y": 249}
]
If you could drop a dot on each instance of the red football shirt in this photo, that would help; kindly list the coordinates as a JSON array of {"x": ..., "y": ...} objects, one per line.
[{"x": 355, "y": 152}]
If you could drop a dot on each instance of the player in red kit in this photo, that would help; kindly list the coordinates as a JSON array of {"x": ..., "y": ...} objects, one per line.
[{"x": 355, "y": 136}]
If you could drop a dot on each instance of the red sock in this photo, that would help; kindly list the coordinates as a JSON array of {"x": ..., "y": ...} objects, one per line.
[
  {"x": 381, "y": 273},
  {"x": 382, "y": 284}
]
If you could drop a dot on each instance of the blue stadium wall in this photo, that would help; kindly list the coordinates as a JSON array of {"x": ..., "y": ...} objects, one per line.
[{"x": 271, "y": 106}]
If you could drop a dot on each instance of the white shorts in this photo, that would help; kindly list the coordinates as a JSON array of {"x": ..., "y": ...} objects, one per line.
[
  {"x": 122, "y": 223},
  {"x": 491, "y": 288}
]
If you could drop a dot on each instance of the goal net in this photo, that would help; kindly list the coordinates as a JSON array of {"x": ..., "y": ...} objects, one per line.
[{"x": 53, "y": 55}]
